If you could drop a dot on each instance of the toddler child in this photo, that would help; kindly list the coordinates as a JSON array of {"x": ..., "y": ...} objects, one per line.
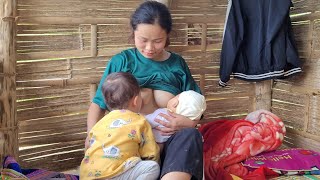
[{"x": 122, "y": 145}]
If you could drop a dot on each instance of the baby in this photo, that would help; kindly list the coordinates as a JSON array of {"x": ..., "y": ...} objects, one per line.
[{"x": 188, "y": 103}]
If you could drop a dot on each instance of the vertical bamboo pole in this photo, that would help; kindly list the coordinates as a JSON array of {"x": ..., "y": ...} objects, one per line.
[
  {"x": 8, "y": 120},
  {"x": 94, "y": 36},
  {"x": 310, "y": 50},
  {"x": 203, "y": 49},
  {"x": 94, "y": 53},
  {"x": 262, "y": 99},
  {"x": 204, "y": 32}
]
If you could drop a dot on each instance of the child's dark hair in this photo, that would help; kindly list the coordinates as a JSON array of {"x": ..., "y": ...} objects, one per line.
[
  {"x": 119, "y": 88},
  {"x": 152, "y": 12}
]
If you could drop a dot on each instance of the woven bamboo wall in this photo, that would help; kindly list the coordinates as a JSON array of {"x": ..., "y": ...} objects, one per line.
[
  {"x": 62, "y": 49},
  {"x": 297, "y": 100},
  {"x": 63, "y": 46}
]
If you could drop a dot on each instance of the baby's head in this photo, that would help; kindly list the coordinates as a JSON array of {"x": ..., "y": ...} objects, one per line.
[
  {"x": 121, "y": 91},
  {"x": 188, "y": 103}
]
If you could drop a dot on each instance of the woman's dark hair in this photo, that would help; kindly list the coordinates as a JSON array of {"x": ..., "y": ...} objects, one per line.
[
  {"x": 152, "y": 12},
  {"x": 119, "y": 88}
]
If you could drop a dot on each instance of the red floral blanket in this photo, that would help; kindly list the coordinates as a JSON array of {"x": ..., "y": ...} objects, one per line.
[{"x": 228, "y": 142}]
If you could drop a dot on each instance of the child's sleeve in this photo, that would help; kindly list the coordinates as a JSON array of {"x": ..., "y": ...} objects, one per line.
[{"x": 149, "y": 149}]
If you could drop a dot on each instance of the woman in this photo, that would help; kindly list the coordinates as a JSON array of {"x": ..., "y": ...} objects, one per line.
[{"x": 161, "y": 76}]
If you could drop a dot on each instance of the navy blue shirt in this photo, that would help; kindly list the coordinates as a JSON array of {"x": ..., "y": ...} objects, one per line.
[{"x": 258, "y": 42}]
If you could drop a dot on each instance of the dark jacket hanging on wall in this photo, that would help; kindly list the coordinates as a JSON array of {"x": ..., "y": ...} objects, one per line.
[{"x": 258, "y": 42}]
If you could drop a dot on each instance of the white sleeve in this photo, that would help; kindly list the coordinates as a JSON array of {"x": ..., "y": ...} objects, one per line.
[{"x": 151, "y": 117}]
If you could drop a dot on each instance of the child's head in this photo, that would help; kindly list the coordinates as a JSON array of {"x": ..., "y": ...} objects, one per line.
[
  {"x": 121, "y": 91},
  {"x": 188, "y": 103}
]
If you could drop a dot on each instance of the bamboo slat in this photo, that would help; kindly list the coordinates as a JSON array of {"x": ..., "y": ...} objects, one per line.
[
  {"x": 293, "y": 87},
  {"x": 53, "y": 137},
  {"x": 64, "y": 160},
  {"x": 59, "y": 82},
  {"x": 28, "y": 151},
  {"x": 313, "y": 122},
  {"x": 66, "y": 54},
  {"x": 46, "y": 75},
  {"x": 55, "y": 134},
  {"x": 44, "y": 66},
  {"x": 296, "y": 140},
  {"x": 315, "y": 36},
  {"x": 47, "y": 42},
  {"x": 87, "y": 20},
  {"x": 52, "y": 100},
  {"x": 293, "y": 98},
  {"x": 67, "y": 119},
  {"x": 30, "y": 93},
  {"x": 3, "y": 140},
  {"x": 53, "y": 54},
  {"x": 71, "y": 20},
  {"x": 291, "y": 115},
  {"x": 54, "y": 110},
  {"x": 93, "y": 39},
  {"x": 50, "y": 149},
  {"x": 234, "y": 111}
]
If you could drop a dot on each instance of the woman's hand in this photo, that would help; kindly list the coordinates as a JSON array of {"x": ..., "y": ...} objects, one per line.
[{"x": 175, "y": 122}]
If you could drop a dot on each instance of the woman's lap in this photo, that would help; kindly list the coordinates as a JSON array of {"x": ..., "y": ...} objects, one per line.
[{"x": 183, "y": 153}]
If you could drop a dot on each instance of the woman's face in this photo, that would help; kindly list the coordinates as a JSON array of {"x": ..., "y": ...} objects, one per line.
[{"x": 150, "y": 40}]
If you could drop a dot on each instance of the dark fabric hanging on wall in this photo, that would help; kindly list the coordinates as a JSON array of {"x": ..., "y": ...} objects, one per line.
[{"x": 258, "y": 42}]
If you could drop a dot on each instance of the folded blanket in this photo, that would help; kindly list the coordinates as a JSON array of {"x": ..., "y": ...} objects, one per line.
[
  {"x": 11, "y": 170},
  {"x": 228, "y": 142}
]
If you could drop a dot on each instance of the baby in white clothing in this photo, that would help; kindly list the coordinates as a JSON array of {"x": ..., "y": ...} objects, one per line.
[{"x": 189, "y": 103}]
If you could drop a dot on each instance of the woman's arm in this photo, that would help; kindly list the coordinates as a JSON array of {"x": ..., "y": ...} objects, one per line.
[
  {"x": 175, "y": 123},
  {"x": 95, "y": 113}
]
